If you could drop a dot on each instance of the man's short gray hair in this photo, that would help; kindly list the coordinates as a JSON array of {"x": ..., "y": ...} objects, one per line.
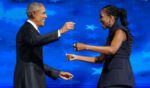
[{"x": 32, "y": 7}]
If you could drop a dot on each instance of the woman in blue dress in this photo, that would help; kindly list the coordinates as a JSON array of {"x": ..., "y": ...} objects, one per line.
[{"x": 117, "y": 71}]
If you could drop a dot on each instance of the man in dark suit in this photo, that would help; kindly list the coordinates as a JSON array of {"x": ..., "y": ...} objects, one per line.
[{"x": 30, "y": 70}]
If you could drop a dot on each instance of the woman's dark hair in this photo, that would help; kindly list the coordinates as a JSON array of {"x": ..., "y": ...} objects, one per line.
[{"x": 117, "y": 13}]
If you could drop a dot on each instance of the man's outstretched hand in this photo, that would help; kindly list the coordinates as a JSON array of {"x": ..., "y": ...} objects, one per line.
[
  {"x": 65, "y": 75},
  {"x": 67, "y": 26}
]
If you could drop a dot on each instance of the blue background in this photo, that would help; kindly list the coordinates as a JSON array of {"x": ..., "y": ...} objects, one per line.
[{"x": 85, "y": 13}]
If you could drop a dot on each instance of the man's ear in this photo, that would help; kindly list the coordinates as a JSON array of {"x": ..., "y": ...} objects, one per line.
[{"x": 33, "y": 14}]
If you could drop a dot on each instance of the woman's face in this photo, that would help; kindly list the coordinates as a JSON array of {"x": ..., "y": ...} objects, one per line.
[{"x": 104, "y": 19}]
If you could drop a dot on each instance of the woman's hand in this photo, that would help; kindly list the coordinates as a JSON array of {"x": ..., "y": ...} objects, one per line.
[
  {"x": 71, "y": 57},
  {"x": 80, "y": 46}
]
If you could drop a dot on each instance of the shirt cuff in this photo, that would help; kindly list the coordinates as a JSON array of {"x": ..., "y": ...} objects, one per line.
[{"x": 59, "y": 33}]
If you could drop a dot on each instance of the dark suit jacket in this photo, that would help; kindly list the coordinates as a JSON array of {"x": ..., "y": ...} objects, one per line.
[{"x": 30, "y": 70}]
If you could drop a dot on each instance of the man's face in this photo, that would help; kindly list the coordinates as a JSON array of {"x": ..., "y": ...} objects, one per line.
[
  {"x": 104, "y": 19},
  {"x": 40, "y": 16}
]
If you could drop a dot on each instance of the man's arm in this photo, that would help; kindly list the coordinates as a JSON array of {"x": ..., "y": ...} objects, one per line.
[
  {"x": 54, "y": 74},
  {"x": 34, "y": 39},
  {"x": 51, "y": 72}
]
